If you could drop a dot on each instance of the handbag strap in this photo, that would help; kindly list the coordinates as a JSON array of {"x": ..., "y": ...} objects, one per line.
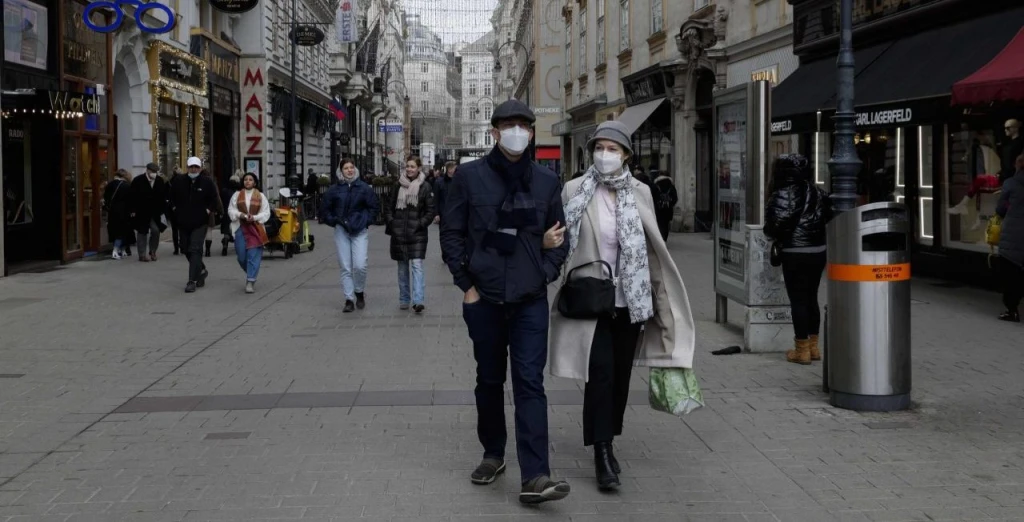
[{"x": 614, "y": 274}]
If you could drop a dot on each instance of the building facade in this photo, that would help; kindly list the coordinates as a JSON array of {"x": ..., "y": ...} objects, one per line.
[
  {"x": 477, "y": 94},
  {"x": 434, "y": 109}
]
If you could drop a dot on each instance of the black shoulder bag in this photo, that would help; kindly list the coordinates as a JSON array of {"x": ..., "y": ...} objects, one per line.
[{"x": 589, "y": 297}]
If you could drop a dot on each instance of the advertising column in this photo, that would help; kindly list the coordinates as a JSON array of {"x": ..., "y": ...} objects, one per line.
[{"x": 254, "y": 129}]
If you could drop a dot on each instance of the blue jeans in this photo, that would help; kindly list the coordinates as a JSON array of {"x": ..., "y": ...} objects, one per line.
[
  {"x": 352, "y": 252},
  {"x": 516, "y": 332},
  {"x": 248, "y": 258},
  {"x": 416, "y": 266}
]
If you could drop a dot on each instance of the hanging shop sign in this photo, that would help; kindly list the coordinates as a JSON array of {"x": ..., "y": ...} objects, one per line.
[
  {"x": 234, "y": 6},
  {"x": 141, "y": 8},
  {"x": 645, "y": 89},
  {"x": 348, "y": 28},
  {"x": 307, "y": 35}
]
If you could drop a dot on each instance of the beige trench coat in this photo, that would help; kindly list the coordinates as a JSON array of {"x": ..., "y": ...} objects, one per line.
[{"x": 668, "y": 337}]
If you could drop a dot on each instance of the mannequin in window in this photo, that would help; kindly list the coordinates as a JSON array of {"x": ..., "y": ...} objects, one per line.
[
  {"x": 986, "y": 180},
  {"x": 1012, "y": 147}
]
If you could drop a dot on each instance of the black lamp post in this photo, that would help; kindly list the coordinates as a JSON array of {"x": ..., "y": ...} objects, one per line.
[
  {"x": 845, "y": 164},
  {"x": 293, "y": 178},
  {"x": 497, "y": 60}
]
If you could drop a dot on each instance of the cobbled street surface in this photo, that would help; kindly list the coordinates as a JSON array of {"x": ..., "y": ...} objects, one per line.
[{"x": 122, "y": 398}]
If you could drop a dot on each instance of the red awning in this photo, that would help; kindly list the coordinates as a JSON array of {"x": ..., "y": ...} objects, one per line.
[
  {"x": 549, "y": 153},
  {"x": 1001, "y": 80}
]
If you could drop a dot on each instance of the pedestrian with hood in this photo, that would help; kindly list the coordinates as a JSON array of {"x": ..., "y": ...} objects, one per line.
[
  {"x": 117, "y": 203},
  {"x": 193, "y": 200},
  {"x": 665, "y": 199},
  {"x": 1011, "y": 242},
  {"x": 495, "y": 218},
  {"x": 148, "y": 201},
  {"x": 407, "y": 216},
  {"x": 611, "y": 221},
  {"x": 350, "y": 206},
  {"x": 248, "y": 211}
]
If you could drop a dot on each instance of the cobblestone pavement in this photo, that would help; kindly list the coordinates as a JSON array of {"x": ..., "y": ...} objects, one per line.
[{"x": 122, "y": 398}]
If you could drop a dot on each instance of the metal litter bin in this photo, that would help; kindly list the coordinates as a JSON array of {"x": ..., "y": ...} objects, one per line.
[{"x": 868, "y": 327}]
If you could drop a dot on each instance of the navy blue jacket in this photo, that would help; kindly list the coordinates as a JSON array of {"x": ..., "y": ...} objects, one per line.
[
  {"x": 471, "y": 207},
  {"x": 441, "y": 186},
  {"x": 193, "y": 201},
  {"x": 354, "y": 206}
]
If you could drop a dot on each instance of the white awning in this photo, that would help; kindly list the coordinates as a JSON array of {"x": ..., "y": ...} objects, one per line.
[{"x": 635, "y": 116}]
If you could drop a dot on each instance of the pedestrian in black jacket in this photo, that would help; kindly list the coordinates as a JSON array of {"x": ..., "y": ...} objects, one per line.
[
  {"x": 171, "y": 219},
  {"x": 495, "y": 217},
  {"x": 407, "y": 216},
  {"x": 148, "y": 199},
  {"x": 193, "y": 200},
  {"x": 795, "y": 218},
  {"x": 665, "y": 199},
  {"x": 441, "y": 186},
  {"x": 117, "y": 203}
]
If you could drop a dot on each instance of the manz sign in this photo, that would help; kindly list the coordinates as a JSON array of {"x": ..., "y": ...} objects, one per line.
[{"x": 253, "y": 130}]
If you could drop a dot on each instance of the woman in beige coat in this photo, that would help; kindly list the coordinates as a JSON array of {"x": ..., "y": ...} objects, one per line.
[{"x": 610, "y": 217}]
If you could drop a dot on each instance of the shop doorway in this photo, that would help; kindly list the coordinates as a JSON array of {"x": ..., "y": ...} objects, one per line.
[{"x": 223, "y": 159}]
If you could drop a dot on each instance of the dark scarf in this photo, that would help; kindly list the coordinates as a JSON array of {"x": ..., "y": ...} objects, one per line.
[{"x": 518, "y": 210}]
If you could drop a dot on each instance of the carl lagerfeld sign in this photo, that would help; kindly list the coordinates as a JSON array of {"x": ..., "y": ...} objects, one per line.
[{"x": 348, "y": 29}]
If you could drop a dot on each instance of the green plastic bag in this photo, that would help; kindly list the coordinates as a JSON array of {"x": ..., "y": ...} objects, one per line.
[{"x": 674, "y": 390}]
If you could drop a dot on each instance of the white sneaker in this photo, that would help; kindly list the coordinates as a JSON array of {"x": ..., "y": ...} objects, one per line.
[{"x": 116, "y": 254}]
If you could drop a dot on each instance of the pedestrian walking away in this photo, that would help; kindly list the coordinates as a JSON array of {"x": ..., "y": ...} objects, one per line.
[
  {"x": 249, "y": 211},
  {"x": 495, "y": 216},
  {"x": 117, "y": 203},
  {"x": 171, "y": 219},
  {"x": 227, "y": 192},
  {"x": 148, "y": 202},
  {"x": 350, "y": 206},
  {"x": 665, "y": 199},
  {"x": 408, "y": 216},
  {"x": 795, "y": 220},
  {"x": 193, "y": 200},
  {"x": 611, "y": 221},
  {"x": 217, "y": 217},
  {"x": 1011, "y": 242},
  {"x": 441, "y": 185}
]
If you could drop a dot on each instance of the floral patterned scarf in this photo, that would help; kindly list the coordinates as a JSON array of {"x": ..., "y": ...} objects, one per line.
[{"x": 634, "y": 269}]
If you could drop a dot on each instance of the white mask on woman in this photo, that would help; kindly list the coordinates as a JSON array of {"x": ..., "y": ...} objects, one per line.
[{"x": 607, "y": 162}]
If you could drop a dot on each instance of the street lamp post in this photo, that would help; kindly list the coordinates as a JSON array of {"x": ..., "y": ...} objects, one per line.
[
  {"x": 293, "y": 179},
  {"x": 844, "y": 164},
  {"x": 497, "y": 60}
]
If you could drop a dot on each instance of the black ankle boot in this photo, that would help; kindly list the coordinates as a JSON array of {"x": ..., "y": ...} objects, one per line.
[
  {"x": 607, "y": 479},
  {"x": 209, "y": 243},
  {"x": 611, "y": 458},
  {"x": 224, "y": 247}
]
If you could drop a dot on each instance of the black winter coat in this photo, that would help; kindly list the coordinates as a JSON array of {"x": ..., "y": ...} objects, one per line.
[
  {"x": 408, "y": 226},
  {"x": 797, "y": 214},
  {"x": 193, "y": 201},
  {"x": 117, "y": 202},
  {"x": 147, "y": 202}
]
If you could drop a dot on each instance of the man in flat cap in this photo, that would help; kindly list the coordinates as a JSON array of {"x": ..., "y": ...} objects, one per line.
[
  {"x": 147, "y": 202},
  {"x": 496, "y": 213}
]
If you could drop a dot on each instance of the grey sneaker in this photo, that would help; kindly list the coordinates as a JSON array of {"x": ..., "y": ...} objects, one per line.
[
  {"x": 250, "y": 287},
  {"x": 487, "y": 472},
  {"x": 543, "y": 489}
]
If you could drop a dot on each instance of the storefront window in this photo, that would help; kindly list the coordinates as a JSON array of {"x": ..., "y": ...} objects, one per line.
[
  {"x": 822, "y": 153},
  {"x": 169, "y": 143},
  {"x": 973, "y": 188},
  {"x": 925, "y": 186},
  {"x": 72, "y": 241},
  {"x": 17, "y": 173},
  {"x": 882, "y": 154},
  {"x": 85, "y": 50}
]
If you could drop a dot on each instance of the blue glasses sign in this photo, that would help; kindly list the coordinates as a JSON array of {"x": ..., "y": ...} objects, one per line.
[{"x": 140, "y": 9}]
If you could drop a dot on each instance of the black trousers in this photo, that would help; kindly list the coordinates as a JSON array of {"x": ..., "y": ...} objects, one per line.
[
  {"x": 191, "y": 242},
  {"x": 802, "y": 274},
  {"x": 174, "y": 233},
  {"x": 607, "y": 390},
  {"x": 1013, "y": 279},
  {"x": 664, "y": 223}
]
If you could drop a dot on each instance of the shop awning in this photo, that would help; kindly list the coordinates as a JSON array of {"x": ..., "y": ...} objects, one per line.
[
  {"x": 635, "y": 116},
  {"x": 1000, "y": 80},
  {"x": 927, "y": 64},
  {"x": 810, "y": 88}
]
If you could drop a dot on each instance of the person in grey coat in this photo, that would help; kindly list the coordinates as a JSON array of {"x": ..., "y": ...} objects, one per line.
[{"x": 1011, "y": 242}]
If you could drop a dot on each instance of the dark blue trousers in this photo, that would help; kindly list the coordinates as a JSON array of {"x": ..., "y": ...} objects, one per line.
[{"x": 518, "y": 333}]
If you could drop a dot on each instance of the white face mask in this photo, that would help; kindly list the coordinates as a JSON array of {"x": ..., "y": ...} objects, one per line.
[
  {"x": 607, "y": 162},
  {"x": 515, "y": 140}
]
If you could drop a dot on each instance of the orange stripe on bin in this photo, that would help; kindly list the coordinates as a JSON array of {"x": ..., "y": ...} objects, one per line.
[{"x": 883, "y": 273}]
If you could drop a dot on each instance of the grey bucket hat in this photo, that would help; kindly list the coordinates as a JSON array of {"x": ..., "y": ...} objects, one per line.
[{"x": 612, "y": 130}]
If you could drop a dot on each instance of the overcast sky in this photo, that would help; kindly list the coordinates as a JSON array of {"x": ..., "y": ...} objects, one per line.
[{"x": 454, "y": 20}]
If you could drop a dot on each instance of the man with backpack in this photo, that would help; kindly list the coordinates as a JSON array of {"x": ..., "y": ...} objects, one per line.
[{"x": 665, "y": 199}]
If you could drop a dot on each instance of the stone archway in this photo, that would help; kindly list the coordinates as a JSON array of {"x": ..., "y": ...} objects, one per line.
[
  {"x": 701, "y": 44},
  {"x": 132, "y": 102}
]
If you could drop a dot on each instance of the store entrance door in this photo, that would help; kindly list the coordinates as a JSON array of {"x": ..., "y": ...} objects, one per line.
[{"x": 92, "y": 178}]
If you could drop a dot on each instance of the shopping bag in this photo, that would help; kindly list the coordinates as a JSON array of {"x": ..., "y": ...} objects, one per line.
[{"x": 674, "y": 390}]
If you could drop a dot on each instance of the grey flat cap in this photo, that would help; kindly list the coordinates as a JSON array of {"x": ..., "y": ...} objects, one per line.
[
  {"x": 612, "y": 130},
  {"x": 512, "y": 109},
  {"x": 153, "y": 167}
]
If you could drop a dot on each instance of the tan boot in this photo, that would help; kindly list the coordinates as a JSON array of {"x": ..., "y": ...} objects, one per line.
[
  {"x": 802, "y": 353},
  {"x": 815, "y": 352}
]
